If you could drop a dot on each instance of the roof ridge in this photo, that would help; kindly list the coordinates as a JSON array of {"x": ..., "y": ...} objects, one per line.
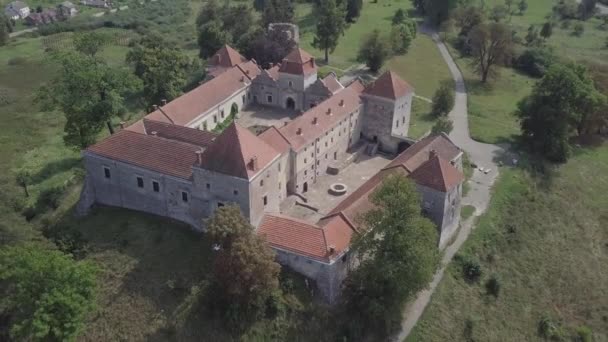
[{"x": 287, "y": 217}]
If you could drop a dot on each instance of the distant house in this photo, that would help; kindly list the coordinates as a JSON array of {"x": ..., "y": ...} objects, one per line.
[
  {"x": 17, "y": 10},
  {"x": 47, "y": 16},
  {"x": 67, "y": 9},
  {"x": 96, "y": 3}
]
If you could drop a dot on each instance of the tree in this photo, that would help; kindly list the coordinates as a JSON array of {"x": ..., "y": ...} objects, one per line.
[
  {"x": 398, "y": 256},
  {"x": 89, "y": 93},
  {"x": 560, "y": 103},
  {"x": 162, "y": 68},
  {"x": 491, "y": 44},
  {"x": 210, "y": 12},
  {"x": 522, "y": 6},
  {"x": 443, "y": 100},
  {"x": 499, "y": 12},
  {"x": 579, "y": 29},
  {"x": 439, "y": 10},
  {"x": 277, "y": 11},
  {"x": 245, "y": 275},
  {"x": 532, "y": 37},
  {"x": 467, "y": 17},
  {"x": 330, "y": 26},
  {"x": 399, "y": 17},
  {"x": 211, "y": 37},
  {"x": 244, "y": 24},
  {"x": 509, "y": 4},
  {"x": 353, "y": 10},
  {"x": 374, "y": 51},
  {"x": 419, "y": 6},
  {"x": 443, "y": 125},
  {"x": 5, "y": 26},
  {"x": 46, "y": 294},
  {"x": 547, "y": 30},
  {"x": 267, "y": 47},
  {"x": 90, "y": 43},
  {"x": 536, "y": 61},
  {"x": 401, "y": 38}
]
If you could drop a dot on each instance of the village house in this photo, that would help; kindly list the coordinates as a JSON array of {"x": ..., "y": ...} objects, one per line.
[
  {"x": 47, "y": 16},
  {"x": 171, "y": 163},
  {"x": 67, "y": 9},
  {"x": 17, "y": 10}
]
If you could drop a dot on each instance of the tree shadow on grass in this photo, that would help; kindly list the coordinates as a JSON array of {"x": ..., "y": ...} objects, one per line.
[{"x": 52, "y": 168}]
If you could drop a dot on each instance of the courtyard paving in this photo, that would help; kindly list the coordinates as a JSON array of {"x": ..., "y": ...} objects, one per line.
[
  {"x": 256, "y": 115},
  {"x": 318, "y": 196}
]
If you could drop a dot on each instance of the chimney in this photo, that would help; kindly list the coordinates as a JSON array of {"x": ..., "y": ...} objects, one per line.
[
  {"x": 314, "y": 120},
  {"x": 270, "y": 65},
  {"x": 155, "y": 107},
  {"x": 163, "y": 102},
  {"x": 199, "y": 157},
  {"x": 328, "y": 111},
  {"x": 299, "y": 131},
  {"x": 253, "y": 163},
  {"x": 342, "y": 103},
  {"x": 247, "y": 72},
  {"x": 242, "y": 78},
  {"x": 285, "y": 123},
  {"x": 312, "y": 61},
  {"x": 432, "y": 154},
  {"x": 332, "y": 249},
  {"x": 154, "y": 133},
  {"x": 122, "y": 125}
]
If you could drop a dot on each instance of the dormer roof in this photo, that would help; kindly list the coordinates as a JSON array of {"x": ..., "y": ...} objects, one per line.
[
  {"x": 298, "y": 62},
  {"x": 226, "y": 57}
]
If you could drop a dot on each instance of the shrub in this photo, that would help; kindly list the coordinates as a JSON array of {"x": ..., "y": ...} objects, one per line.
[
  {"x": 50, "y": 197},
  {"x": 550, "y": 329},
  {"x": 536, "y": 61},
  {"x": 443, "y": 100},
  {"x": 471, "y": 269},
  {"x": 443, "y": 125},
  {"x": 493, "y": 285},
  {"x": 579, "y": 29},
  {"x": 583, "y": 334}
]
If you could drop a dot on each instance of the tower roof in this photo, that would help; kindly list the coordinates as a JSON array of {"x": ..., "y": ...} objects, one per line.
[
  {"x": 298, "y": 62},
  {"x": 226, "y": 57},
  {"x": 438, "y": 174},
  {"x": 238, "y": 152},
  {"x": 389, "y": 85}
]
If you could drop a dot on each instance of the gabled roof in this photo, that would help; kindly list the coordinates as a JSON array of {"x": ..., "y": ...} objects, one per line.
[
  {"x": 234, "y": 151},
  {"x": 332, "y": 83},
  {"x": 304, "y": 129},
  {"x": 184, "y": 109},
  {"x": 438, "y": 174},
  {"x": 389, "y": 85},
  {"x": 226, "y": 57},
  {"x": 157, "y": 154},
  {"x": 274, "y": 138},
  {"x": 179, "y": 133},
  {"x": 419, "y": 153},
  {"x": 323, "y": 243},
  {"x": 298, "y": 62}
]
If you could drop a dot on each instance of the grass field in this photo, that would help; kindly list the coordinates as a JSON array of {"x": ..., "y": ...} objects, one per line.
[{"x": 544, "y": 236}]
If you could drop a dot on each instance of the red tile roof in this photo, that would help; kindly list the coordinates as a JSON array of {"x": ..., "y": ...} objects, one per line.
[
  {"x": 201, "y": 99},
  {"x": 418, "y": 153},
  {"x": 438, "y": 174},
  {"x": 341, "y": 104},
  {"x": 390, "y": 86},
  {"x": 306, "y": 239},
  {"x": 274, "y": 138},
  {"x": 179, "y": 133},
  {"x": 226, "y": 57},
  {"x": 250, "y": 69},
  {"x": 233, "y": 151},
  {"x": 157, "y": 154},
  {"x": 274, "y": 72},
  {"x": 332, "y": 83},
  {"x": 298, "y": 62}
]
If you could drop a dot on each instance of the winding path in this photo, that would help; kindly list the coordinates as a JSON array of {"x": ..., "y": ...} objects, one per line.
[{"x": 484, "y": 155}]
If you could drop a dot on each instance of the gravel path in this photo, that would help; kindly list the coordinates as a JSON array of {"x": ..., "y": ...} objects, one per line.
[{"x": 483, "y": 155}]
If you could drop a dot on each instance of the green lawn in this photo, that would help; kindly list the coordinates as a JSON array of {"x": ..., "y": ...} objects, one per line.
[
  {"x": 544, "y": 236},
  {"x": 373, "y": 16}
]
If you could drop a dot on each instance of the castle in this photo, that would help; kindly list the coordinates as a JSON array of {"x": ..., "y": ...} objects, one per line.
[{"x": 171, "y": 163}]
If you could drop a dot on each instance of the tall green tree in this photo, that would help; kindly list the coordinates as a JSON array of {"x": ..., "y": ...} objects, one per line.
[
  {"x": 330, "y": 26},
  {"x": 522, "y": 6},
  {"x": 4, "y": 29},
  {"x": 374, "y": 51},
  {"x": 353, "y": 10},
  {"x": 162, "y": 68},
  {"x": 439, "y": 10},
  {"x": 90, "y": 43},
  {"x": 442, "y": 125},
  {"x": 547, "y": 30},
  {"x": 561, "y": 103},
  {"x": 277, "y": 11},
  {"x": 398, "y": 256},
  {"x": 45, "y": 294},
  {"x": 491, "y": 45},
  {"x": 245, "y": 275},
  {"x": 209, "y": 12},
  {"x": 89, "y": 92},
  {"x": 443, "y": 100},
  {"x": 401, "y": 38},
  {"x": 211, "y": 37},
  {"x": 399, "y": 16}
]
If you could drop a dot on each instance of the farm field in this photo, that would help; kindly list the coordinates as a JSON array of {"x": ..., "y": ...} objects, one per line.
[{"x": 544, "y": 238}]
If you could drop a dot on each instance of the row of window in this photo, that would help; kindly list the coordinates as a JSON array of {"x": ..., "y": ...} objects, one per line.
[{"x": 140, "y": 183}]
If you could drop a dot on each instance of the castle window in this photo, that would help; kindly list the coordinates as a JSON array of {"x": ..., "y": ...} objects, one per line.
[
  {"x": 184, "y": 197},
  {"x": 403, "y": 120},
  {"x": 235, "y": 192},
  {"x": 326, "y": 144},
  {"x": 279, "y": 167},
  {"x": 208, "y": 185},
  {"x": 397, "y": 124},
  {"x": 222, "y": 113},
  {"x": 243, "y": 98},
  {"x": 290, "y": 84},
  {"x": 312, "y": 154},
  {"x": 220, "y": 204},
  {"x": 140, "y": 182},
  {"x": 265, "y": 200},
  {"x": 215, "y": 119},
  {"x": 269, "y": 98},
  {"x": 335, "y": 155},
  {"x": 106, "y": 172},
  {"x": 279, "y": 185},
  {"x": 155, "y": 186},
  {"x": 261, "y": 182},
  {"x": 305, "y": 160},
  {"x": 305, "y": 172}
]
